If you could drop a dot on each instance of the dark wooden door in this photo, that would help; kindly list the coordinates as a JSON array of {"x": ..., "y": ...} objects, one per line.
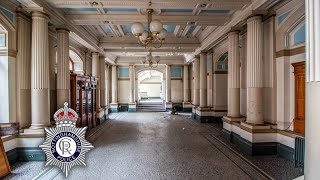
[{"x": 299, "y": 96}]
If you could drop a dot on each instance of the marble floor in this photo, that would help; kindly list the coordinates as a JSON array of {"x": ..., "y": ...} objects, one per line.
[
  {"x": 163, "y": 146},
  {"x": 160, "y": 146}
]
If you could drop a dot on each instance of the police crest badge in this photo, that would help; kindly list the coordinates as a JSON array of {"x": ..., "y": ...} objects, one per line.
[{"x": 65, "y": 145}]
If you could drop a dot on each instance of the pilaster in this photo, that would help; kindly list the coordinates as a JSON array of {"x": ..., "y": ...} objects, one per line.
[
  {"x": 168, "y": 88},
  {"x": 187, "y": 106},
  {"x": 312, "y": 114},
  {"x": 114, "y": 103},
  {"x": 132, "y": 103},
  {"x": 96, "y": 73}
]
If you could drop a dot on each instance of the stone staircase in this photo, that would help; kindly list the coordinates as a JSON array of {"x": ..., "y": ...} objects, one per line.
[{"x": 150, "y": 107}]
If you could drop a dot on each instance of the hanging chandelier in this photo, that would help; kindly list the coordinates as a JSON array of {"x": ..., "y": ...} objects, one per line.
[
  {"x": 150, "y": 61},
  {"x": 155, "y": 34}
]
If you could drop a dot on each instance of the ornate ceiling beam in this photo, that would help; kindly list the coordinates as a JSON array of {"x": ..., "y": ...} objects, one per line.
[
  {"x": 159, "y": 4},
  {"x": 93, "y": 19}
]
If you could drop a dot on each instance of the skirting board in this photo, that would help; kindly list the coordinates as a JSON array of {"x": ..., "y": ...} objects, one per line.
[
  {"x": 265, "y": 148},
  {"x": 206, "y": 119},
  {"x": 25, "y": 154}
]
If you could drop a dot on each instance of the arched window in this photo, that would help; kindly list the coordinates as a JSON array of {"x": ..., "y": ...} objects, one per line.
[
  {"x": 76, "y": 64},
  {"x": 222, "y": 63}
]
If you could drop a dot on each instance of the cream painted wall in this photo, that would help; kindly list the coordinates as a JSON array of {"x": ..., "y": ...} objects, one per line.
[
  {"x": 153, "y": 90},
  {"x": 177, "y": 90},
  {"x": 220, "y": 92},
  {"x": 152, "y": 86},
  {"x": 123, "y": 91}
]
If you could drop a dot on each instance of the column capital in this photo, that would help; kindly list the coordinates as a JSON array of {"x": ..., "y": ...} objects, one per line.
[
  {"x": 39, "y": 14},
  {"x": 24, "y": 15},
  {"x": 95, "y": 53},
  {"x": 232, "y": 32},
  {"x": 254, "y": 18},
  {"x": 62, "y": 30}
]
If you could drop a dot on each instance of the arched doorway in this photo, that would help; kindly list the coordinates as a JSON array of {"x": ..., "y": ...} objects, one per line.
[{"x": 150, "y": 86}]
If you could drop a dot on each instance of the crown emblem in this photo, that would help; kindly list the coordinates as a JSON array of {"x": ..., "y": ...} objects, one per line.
[{"x": 65, "y": 116}]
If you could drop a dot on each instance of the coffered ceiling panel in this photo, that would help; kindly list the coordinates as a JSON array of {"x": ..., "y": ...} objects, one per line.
[{"x": 185, "y": 21}]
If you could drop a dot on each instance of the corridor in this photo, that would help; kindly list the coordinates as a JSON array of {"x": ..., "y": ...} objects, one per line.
[{"x": 160, "y": 146}]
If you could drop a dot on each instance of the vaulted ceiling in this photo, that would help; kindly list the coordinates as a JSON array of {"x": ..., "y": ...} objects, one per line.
[{"x": 110, "y": 21}]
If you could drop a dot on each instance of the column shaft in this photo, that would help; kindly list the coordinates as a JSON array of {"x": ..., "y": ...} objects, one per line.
[
  {"x": 40, "y": 71},
  {"x": 96, "y": 73},
  {"x": 132, "y": 79},
  {"x": 203, "y": 80},
  {"x": 196, "y": 93},
  {"x": 312, "y": 114},
  {"x": 233, "y": 74},
  {"x": 107, "y": 85},
  {"x": 63, "y": 73},
  {"x": 186, "y": 87},
  {"x": 23, "y": 70},
  {"x": 102, "y": 80},
  {"x": 52, "y": 72},
  {"x": 114, "y": 85},
  {"x": 168, "y": 83},
  {"x": 210, "y": 79},
  {"x": 254, "y": 71}
]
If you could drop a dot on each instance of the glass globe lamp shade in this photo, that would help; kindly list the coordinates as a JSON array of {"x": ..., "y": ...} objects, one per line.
[
  {"x": 143, "y": 37},
  {"x": 155, "y": 26},
  {"x": 163, "y": 34},
  {"x": 137, "y": 29}
]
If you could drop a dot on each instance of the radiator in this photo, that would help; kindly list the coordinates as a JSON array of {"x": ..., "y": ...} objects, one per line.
[{"x": 299, "y": 152}]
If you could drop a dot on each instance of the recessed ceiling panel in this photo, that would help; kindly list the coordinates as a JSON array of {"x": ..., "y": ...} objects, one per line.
[{"x": 176, "y": 10}]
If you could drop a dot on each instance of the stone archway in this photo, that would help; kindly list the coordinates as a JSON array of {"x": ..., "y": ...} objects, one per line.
[{"x": 150, "y": 85}]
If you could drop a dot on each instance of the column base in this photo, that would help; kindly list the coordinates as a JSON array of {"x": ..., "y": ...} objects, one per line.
[
  {"x": 114, "y": 107},
  {"x": 102, "y": 115},
  {"x": 187, "y": 107},
  {"x": 31, "y": 130},
  {"x": 260, "y": 140},
  {"x": 234, "y": 119},
  {"x": 168, "y": 106},
  {"x": 193, "y": 110},
  {"x": 204, "y": 115},
  {"x": 132, "y": 107}
]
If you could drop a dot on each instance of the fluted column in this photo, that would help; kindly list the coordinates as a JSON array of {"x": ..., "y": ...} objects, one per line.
[
  {"x": 107, "y": 85},
  {"x": 40, "y": 71},
  {"x": 114, "y": 85},
  {"x": 102, "y": 80},
  {"x": 210, "y": 79},
  {"x": 254, "y": 71},
  {"x": 203, "y": 80},
  {"x": 312, "y": 123},
  {"x": 168, "y": 83},
  {"x": 132, "y": 79},
  {"x": 23, "y": 70},
  {"x": 63, "y": 73},
  {"x": 233, "y": 75},
  {"x": 186, "y": 87},
  {"x": 196, "y": 94},
  {"x": 52, "y": 72},
  {"x": 96, "y": 73}
]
